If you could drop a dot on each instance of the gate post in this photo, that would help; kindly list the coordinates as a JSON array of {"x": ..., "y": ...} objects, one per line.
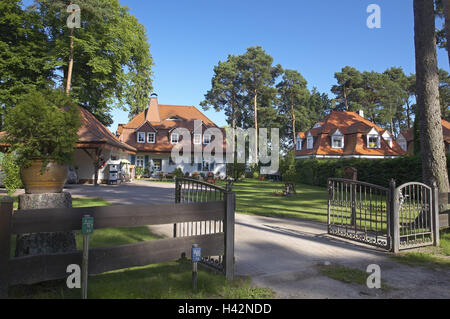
[
  {"x": 230, "y": 205},
  {"x": 394, "y": 222},
  {"x": 6, "y": 211},
  {"x": 435, "y": 212},
  {"x": 177, "y": 200}
]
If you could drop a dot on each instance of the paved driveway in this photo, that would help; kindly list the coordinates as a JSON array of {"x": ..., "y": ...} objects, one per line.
[
  {"x": 138, "y": 192},
  {"x": 283, "y": 254}
]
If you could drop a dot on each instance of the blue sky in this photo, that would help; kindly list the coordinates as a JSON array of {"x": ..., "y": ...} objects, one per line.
[{"x": 317, "y": 38}]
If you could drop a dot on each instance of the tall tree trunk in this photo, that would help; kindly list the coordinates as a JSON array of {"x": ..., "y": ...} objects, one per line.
[
  {"x": 434, "y": 163},
  {"x": 345, "y": 100},
  {"x": 408, "y": 114},
  {"x": 70, "y": 66},
  {"x": 447, "y": 25},
  {"x": 256, "y": 126},
  {"x": 293, "y": 124}
]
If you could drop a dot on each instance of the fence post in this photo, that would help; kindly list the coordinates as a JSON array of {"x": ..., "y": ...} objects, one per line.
[
  {"x": 177, "y": 200},
  {"x": 6, "y": 211},
  {"x": 230, "y": 205},
  {"x": 435, "y": 218},
  {"x": 394, "y": 218}
]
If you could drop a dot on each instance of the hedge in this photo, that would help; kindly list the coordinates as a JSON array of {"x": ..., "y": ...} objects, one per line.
[{"x": 376, "y": 171}]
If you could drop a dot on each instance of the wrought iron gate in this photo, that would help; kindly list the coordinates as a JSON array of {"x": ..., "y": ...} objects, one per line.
[
  {"x": 390, "y": 218},
  {"x": 359, "y": 211},
  {"x": 193, "y": 191},
  {"x": 415, "y": 218}
]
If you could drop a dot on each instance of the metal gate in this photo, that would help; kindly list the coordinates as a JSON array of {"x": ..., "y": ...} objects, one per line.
[
  {"x": 414, "y": 204},
  {"x": 393, "y": 218},
  {"x": 359, "y": 211}
]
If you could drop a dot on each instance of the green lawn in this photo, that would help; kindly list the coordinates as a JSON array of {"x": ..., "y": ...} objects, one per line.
[
  {"x": 258, "y": 198},
  {"x": 171, "y": 280}
]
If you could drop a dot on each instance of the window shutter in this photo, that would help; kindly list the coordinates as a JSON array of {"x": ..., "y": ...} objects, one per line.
[
  {"x": 199, "y": 167},
  {"x": 211, "y": 166},
  {"x": 146, "y": 160},
  {"x": 133, "y": 159}
]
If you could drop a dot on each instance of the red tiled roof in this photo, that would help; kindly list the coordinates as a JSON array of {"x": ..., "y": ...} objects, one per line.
[
  {"x": 92, "y": 131},
  {"x": 171, "y": 117},
  {"x": 409, "y": 134},
  {"x": 354, "y": 128}
]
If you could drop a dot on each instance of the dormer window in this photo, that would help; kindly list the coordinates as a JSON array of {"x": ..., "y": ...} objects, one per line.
[
  {"x": 388, "y": 138},
  {"x": 206, "y": 139},
  {"x": 141, "y": 137},
  {"x": 298, "y": 144},
  {"x": 151, "y": 138},
  {"x": 373, "y": 139},
  {"x": 402, "y": 142},
  {"x": 309, "y": 141},
  {"x": 337, "y": 140},
  {"x": 174, "y": 138},
  {"x": 317, "y": 125}
]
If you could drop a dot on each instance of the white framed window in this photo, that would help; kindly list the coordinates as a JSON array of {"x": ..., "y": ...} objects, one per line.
[
  {"x": 141, "y": 137},
  {"x": 298, "y": 144},
  {"x": 337, "y": 140},
  {"x": 151, "y": 138},
  {"x": 206, "y": 139},
  {"x": 309, "y": 142},
  {"x": 174, "y": 138},
  {"x": 373, "y": 141},
  {"x": 197, "y": 139},
  {"x": 140, "y": 161}
]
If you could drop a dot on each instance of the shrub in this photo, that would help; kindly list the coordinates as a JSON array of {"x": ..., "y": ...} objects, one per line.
[
  {"x": 255, "y": 175},
  {"x": 178, "y": 173},
  {"x": 43, "y": 125},
  {"x": 139, "y": 171},
  {"x": 376, "y": 171},
  {"x": 11, "y": 169}
]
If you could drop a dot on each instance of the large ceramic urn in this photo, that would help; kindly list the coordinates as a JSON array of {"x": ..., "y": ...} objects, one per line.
[{"x": 50, "y": 180}]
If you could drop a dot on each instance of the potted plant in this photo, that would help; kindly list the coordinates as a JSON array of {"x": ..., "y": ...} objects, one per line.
[{"x": 41, "y": 131}]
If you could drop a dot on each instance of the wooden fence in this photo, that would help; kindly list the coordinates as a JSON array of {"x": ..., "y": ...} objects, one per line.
[{"x": 34, "y": 269}]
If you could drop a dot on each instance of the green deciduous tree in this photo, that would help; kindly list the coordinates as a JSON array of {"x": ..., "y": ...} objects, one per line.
[
  {"x": 25, "y": 64},
  {"x": 112, "y": 61}
]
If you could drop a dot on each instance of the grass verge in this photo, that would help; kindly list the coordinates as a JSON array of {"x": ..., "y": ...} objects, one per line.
[
  {"x": 431, "y": 257},
  {"x": 171, "y": 280},
  {"x": 349, "y": 275},
  {"x": 258, "y": 198}
]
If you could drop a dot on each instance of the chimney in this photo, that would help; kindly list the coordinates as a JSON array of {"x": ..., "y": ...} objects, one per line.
[
  {"x": 153, "y": 109},
  {"x": 361, "y": 113}
]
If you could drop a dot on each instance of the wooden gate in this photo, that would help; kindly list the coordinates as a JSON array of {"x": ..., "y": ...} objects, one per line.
[{"x": 189, "y": 190}]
